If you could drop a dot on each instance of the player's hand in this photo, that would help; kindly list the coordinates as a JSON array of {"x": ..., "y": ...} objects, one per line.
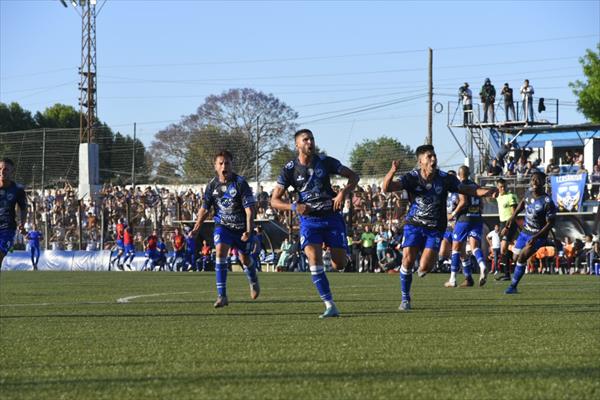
[
  {"x": 195, "y": 231},
  {"x": 302, "y": 209},
  {"x": 395, "y": 166},
  {"x": 245, "y": 236},
  {"x": 450, "y": 217},
  {"x": 338, "y": 201},
  {"x": 503, "y": 232}
]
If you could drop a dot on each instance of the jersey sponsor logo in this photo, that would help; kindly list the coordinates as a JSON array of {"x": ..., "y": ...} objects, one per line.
[
  {"x": 215, "y": 192},
  {"x": 216, "y": 238},
  {"x": 438, "y": 189},
  {"x": 289, "y": 165},
  {"x": 538, "y": 207}
]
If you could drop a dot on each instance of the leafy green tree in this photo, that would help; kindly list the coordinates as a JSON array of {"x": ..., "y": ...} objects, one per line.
[
  {"x": 374, "y": 157},
  {"x": 589, "y": 92},
  {"x": 14, "y": 118}
]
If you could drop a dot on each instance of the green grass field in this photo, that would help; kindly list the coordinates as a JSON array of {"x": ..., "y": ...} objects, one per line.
[{"x": 63, "y": 335}]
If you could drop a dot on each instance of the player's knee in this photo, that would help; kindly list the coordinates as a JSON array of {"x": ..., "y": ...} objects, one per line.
[{"x": 221, "y": 260}]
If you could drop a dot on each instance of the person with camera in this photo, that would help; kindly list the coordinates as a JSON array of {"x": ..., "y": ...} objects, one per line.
[
  {"x": 488, "y": 97},
  {"x": 466, "y": 96}
]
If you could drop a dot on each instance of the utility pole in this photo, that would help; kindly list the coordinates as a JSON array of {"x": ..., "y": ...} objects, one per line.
[
  {"x": 257, "y": 152},
  {"x": 429, "y": 139},
  {"x": 133, "y": 159},
  {"x": 87, "y": 84}
]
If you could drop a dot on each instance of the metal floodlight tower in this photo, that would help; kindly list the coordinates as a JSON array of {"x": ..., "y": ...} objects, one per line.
[{"x": 87, "y": 71}]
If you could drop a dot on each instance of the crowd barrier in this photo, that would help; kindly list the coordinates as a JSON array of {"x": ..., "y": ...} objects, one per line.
[{"x": 62, "y": 260}]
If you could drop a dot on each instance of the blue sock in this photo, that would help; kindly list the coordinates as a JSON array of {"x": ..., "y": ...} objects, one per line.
[
  {"x": 467, "y": 268},
  {"x": 597, "y": 268},
  {"x": 405, "y": 282},
  {"x": 518, "y": 274},
  {"x": 250, "y": 271},
  {"x": 321, "y": 283},
  {"x": 221, "y": 273},
  {"x": 455, "y": 262},
  {"x": 478, "y": 256}
]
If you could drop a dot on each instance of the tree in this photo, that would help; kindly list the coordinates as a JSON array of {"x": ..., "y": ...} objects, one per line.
[
  {"x": 237, "y": 119},
  {"x": 374, "y": 157},
  {"x": 14, "y": 118},
  {"x": 58, "y": 116},
  {"x": 589, "y": 92}
]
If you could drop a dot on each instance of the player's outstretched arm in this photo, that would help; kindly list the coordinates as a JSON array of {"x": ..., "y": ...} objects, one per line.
[
  {"x": 249, "y": 223},
  {"x": 277, "y": 199},
  {"x": 462, "y": 203},
  {"x": 512, "y": 218},
  {"x": 353, "y": 178},
  {"x": 389, "y": 185},
  {"x": 474, "y": 190}
]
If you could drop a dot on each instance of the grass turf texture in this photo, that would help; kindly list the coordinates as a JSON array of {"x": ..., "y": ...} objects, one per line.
[{"x": 474, "y": 343}]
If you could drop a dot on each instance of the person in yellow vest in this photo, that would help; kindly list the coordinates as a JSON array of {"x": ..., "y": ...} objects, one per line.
[{"x": 507, "y": 202}]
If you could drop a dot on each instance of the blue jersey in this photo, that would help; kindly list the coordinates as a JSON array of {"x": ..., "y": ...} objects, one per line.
[
  {"x": 190, "y": 244},
  {"x": 9, "y": 197},
  {"x": 229, "y": 201},
  {"x": 428, "y": 199},
  {"x": 471, "y": 212},
  {"x": 312, "y": 182},
  {"x": 451, "y": 202},
  {"x": 34, "y": 238},
  {"x": 538, "y": 211}
]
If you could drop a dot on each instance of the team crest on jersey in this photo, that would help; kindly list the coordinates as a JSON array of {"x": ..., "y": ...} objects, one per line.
[
  {"x": 547, "y": 199},
  {"x": 223, "y": 188},
  {"x": 438, "y": 189},
  {"x": 538, "y": 207},
  {"x": 428, "y": 186},
  {"x": 319, "y": 172},
  {"x": 232, "y": 192},
  {"x": 10, "y": 197},
  {"x": 289, "y": 165}
]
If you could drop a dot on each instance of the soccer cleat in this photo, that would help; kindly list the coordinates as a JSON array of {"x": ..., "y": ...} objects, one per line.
[
  {"x": 468, "y": 282},
  {"x": 221, "y": 302},
  {"x": 505, "y": 278},
  {"x": 254, "y": 290},
  {"x": 450, "y": 284},
  {"x": 330, "y": 312},
  {"x": 404, "y": 306},
  {"x": 511, "y": 290},
  {"x": 482, "y": 281}
]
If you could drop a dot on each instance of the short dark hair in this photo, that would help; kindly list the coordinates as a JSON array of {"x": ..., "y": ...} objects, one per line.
[
  {"x": 301, "y": 132},
  {"x": 464, "y": 170},
  {"x": 8, "y": 161},
  {"x": 224, "y": 154},
  {"x": 540, "y": 174},
  {"x": 424, "y": 149},
  {"x": 501, "y": 181},
  {"x": 451, "y": 172}
]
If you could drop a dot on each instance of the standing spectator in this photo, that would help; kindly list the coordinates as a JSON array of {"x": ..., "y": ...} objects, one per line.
[
  {"x": 466, "y": 96},
  {"x": 588, "y": 249},
  {"x": 527, "y": 96},
  {"x": 34, "y": 237},
  {"x": 510, "y": 167},
  {"x": 206, "y": 253},
  {"x": 507, "y": 203},
  {"x": 493, "y": 239},
  {"x": 382, "y": 238},
  {"x": 488, "y": 98},
  {"x": 595, "y": 181},
  {"x": 509, "y": 103},
  {"x": 263, "y": 198}
]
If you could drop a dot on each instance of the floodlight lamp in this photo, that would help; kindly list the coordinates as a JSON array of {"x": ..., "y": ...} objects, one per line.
[{"x": 93, "y": 2}]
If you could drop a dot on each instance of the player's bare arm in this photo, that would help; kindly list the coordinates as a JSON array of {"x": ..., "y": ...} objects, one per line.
[
  {"x": 389, "y": 185},
  {"x": 512, "y": 218},
  {"x": 202, "y": 215},
  {"x": 278, "y": 203},
  {"x": 249, "y": 223},
  {"x": 474, "y": 190},
  {"x": 462, "y": 203},
  {"x": 353, "y": 178}
]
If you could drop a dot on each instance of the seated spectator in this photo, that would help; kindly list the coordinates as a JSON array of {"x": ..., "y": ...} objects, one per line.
[
  {"x": 511, "y": 167},
  {"x": 552, "y": 168},
  {"x": 595, "y": 181}
]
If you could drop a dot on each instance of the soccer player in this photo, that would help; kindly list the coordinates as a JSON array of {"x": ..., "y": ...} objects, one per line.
[
  {"x": 540, "y": 212},
  {"x": 178, "y": 242},
  {"x": 119, "y": 230},
  {"x": 162, "y": 250},
  {"x": 507, "y": 203},
  {"x": 469, "y": 226},
  {"x": 234, "y": 204},
  {"x": 152, "y": 254},
  {"x": 11, "y": 195},
  {"x": 129, "y": 248},
  {"x": 446, "y": 245},
  {"x": 34, "y": 237},
  {"x": 319, "y": 208},
  {"x": 426, "y": 219},
  {"x": 190, "y": 250}
]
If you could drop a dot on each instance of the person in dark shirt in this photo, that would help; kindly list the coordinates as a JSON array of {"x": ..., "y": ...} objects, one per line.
[
  {"x": 319, "y": 208},
  {"x": 234, "y": 205},
  {"x": 426, "y": 219},
  {"x": 509, "y": 104},
  {"x": 34, "y": 237},
  {"x": 11, "y": 195},
  {"x": 488, "y": 98},
  {"x": 494, "y": 169},
  {"x": 540, "y": 212}
]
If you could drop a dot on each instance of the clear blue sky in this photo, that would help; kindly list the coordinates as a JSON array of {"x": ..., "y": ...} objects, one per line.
[{"x": 158, "y": 60}]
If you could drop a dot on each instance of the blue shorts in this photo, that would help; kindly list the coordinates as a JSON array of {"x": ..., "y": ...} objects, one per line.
[
  {"x": 153, "y": 254},
  {"x": 522, "y": 242},
  {"x": 421, "y": 237},
  {"x": 330, "y": 230},
  {"x": 464, "y": 230},
  {"x": 448, "y": 236},
  {"x": 129, "y": 249},
  {"x": 232, "y": 239},
  {"x": 7, "y": 240},
  {"x": 120, "y": 244}
]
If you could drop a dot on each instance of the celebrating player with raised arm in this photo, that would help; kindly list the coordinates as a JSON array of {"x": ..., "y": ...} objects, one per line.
[
  {"x": 233, "y": 202},
  {"x": 319, "y": 209},
  {"x": 11, "y": 195},
  {"x": 540, "y": 212},
  {"x": 426, "y": 219}
]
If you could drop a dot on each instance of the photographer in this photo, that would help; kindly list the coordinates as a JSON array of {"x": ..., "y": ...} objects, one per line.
[{"x": 466, "y": 96}]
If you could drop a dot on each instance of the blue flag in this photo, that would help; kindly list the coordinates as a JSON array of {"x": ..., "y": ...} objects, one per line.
[{"x": 567, "y": 191}]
